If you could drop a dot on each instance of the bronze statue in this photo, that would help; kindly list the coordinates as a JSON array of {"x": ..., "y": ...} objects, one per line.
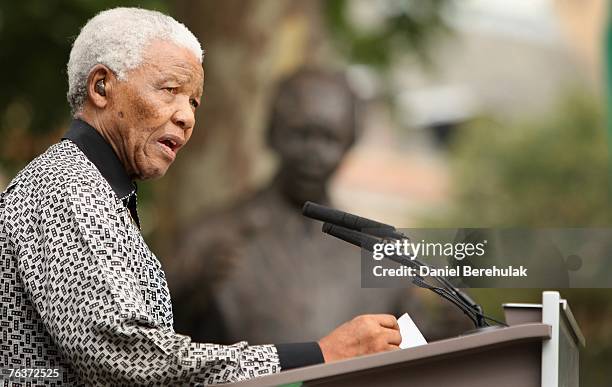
[{"x": 261, "y": 271}]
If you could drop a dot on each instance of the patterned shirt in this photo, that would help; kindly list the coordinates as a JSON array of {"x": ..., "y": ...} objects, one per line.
[{"x": 82, "y": 293}]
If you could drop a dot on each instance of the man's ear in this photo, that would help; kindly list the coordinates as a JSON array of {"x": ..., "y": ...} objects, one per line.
[{"x": 99, "y": 85}]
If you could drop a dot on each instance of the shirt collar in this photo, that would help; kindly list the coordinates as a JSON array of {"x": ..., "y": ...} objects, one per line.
[{"x": 102, "y": 155}]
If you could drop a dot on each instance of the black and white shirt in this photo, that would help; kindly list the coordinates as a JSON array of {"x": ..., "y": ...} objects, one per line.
[{"x": 81, "y": 292}]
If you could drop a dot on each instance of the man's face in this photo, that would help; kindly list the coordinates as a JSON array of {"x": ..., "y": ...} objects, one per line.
[{"x": 153, "y": 111}]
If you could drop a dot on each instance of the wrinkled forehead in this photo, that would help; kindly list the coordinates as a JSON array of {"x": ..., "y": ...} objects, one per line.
[{"x": 166, "y": 59}]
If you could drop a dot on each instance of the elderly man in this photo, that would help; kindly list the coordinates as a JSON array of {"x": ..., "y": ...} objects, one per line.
[{"x": 83, "y": 298}]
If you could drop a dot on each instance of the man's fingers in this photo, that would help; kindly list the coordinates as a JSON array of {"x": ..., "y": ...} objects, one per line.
[
  {"x": 392, "y": 336},
  {"x": 387, "y": 321},
  {"x": 391, "y": 347}
]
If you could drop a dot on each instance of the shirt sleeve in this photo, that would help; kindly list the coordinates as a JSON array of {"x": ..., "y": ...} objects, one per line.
[
  {"x": 295, "y": 355},
  {"x": 93, "y": 294}
]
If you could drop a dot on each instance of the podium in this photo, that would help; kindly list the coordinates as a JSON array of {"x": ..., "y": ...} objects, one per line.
[{"x": 540, "y": 347}]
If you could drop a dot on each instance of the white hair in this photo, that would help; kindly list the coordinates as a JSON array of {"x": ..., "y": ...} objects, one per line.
[{"x": 116, "y": 38}]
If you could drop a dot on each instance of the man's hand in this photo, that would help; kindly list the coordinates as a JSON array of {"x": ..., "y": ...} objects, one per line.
[{"x": 362, "y": 335}]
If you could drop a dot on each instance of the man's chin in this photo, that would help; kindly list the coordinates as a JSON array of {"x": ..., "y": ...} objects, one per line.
[{"x": 153, "y": 172}]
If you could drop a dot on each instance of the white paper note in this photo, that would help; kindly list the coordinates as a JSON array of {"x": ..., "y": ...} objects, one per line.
[{"x": 411, "y": 335}]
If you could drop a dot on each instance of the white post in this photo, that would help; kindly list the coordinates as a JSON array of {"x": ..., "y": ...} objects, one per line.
[{"x": 550, "y": 348}]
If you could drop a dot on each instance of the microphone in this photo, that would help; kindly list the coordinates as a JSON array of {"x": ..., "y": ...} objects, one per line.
[
  {"x": 350, "y": 221},
  {"x": 361, "y": 232},
  {"x": 364, "y": 241},
  {"x": 356, "y": 238},
  {"x": 448, "y": 291}
]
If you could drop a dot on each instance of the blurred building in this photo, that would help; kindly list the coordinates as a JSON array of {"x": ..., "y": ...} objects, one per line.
[{"x": 505, "y": 60}]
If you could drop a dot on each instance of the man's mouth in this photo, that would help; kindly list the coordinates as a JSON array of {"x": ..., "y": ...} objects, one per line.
[{"x": 170, "y": 145}]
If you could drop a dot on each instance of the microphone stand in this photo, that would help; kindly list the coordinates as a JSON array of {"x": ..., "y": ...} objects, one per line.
[{"x": 447, "y": 290}]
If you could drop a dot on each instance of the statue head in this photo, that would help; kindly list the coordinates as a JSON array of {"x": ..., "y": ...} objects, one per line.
[{"x": 312, "y": 126}]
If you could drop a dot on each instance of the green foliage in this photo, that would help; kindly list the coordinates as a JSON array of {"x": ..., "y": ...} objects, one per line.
[
  {"x": 35, "y": 41},
  {"x": 408, "y": 26},
  {"x": 551, "y": 171}
]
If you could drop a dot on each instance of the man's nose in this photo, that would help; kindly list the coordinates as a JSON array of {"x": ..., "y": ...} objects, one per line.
[{"x": 184, "y": 116}]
